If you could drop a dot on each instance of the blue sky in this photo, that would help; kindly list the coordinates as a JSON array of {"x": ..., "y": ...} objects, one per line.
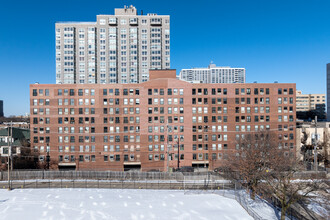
[{"x": 275, "y": 40}]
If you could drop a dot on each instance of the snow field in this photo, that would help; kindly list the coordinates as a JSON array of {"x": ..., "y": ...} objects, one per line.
[{"x": 115, "y": 204}]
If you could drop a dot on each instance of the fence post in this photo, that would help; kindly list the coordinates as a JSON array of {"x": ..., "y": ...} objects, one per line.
[
  {"x": 61, "y": 183},
  {"x": 235, "y": 190},
  {"x": 184, "y": 184},
  {"x": 98, "y": 183},
  {"x": 36, "y": 183}
]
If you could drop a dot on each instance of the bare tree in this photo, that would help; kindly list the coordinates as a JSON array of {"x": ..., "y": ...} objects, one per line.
[
  {"x": 262, "y": 164},
  {"x": 27, "y": 159},
  {"x": 249, "y": 163},
  {"x": 53, "y": 164},
  {"x": 323, "y": 150},
  {"x": 307, "y": 150},
  {"x": 280, "y": 182}
]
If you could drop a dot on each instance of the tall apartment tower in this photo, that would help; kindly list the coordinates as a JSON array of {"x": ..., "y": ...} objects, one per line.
[
  {"x": 213, "y": 74},
  {"x": 118, "y": 48}
]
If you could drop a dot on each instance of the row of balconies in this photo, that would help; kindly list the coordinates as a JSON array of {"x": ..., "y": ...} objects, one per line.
[{"x": 134, "y": 21}]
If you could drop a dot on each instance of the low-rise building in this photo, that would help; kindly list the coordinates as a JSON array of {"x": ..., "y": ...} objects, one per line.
[
  {"x": 15, "y": 136},
  {"x": 308, "y": 102},
  {"x": 310, "y": 105},
  {"x": 161, "y": 123},
  {"x": 306, "y": 136},
  {"x": 17, "y": 139}
]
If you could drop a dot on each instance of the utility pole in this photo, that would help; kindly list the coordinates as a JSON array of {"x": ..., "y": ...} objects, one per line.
[
  {"x": 178, "y": 151},
  {"x": 9, "y": 153},
  {"x": 315, "y": 146},
  {"x": 168, "y": 150}
]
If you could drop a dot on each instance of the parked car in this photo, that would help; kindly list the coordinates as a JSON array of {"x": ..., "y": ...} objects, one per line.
[{"x": 185, "y": 169}]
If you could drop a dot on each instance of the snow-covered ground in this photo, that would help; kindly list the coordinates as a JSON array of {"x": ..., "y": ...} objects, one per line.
[
  {"x": 116, "y": 204},
  {"x": 259, "y": 207},
  {"x": 320, "y": 205}
]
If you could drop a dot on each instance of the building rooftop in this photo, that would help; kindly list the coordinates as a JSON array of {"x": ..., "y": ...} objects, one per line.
[
  {"x": 213, "y": 66},
  {"x": 126, "y": 11},
  {"x": 18, "y": 133}
]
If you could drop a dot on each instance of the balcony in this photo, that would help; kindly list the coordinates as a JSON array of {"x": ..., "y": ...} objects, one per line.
[
  {"x": 133, "y": 21},
  {"x": 112, "y": 21},
  {"x": 156, "y": 22}
]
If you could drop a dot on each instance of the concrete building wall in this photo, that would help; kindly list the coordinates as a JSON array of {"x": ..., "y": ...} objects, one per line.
[
  {"x": 308, "y": 102},
  {"x": 89, "y": 126},
  {"x": 213, "y": 74}
]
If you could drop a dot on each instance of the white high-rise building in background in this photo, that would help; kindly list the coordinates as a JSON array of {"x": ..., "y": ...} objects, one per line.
[
  {"x": 118, "y": 48},
  {"x": 213, "y": 74}
]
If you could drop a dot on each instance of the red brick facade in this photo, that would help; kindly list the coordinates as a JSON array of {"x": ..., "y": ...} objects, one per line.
[{"x": 112, "y": 126}]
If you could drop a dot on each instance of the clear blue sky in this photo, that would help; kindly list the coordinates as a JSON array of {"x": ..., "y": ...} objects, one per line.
[{"x": 275, "y": 40}]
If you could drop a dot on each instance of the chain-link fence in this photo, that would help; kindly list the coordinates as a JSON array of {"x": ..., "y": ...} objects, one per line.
[
  {"x": 223, "y": 188},
  {"x": 104, "y": 175},
  {"x": 90, "y": 183},
  {"x": 120, "y": 183}
]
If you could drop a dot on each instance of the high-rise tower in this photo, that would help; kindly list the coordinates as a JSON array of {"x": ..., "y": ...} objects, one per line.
[{"x": 118, "y": 48}]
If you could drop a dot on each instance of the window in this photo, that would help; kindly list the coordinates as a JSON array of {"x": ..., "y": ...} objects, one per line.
[
  {"x": 256, "y": 91},
  {"x": 71, "y": 92}
]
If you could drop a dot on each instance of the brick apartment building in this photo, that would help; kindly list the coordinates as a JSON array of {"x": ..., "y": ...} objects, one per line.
[{"x": 117, "y": 126}]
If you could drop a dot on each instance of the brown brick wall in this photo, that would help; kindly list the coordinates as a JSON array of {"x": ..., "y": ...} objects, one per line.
[{"x": 90, "y": 125}]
